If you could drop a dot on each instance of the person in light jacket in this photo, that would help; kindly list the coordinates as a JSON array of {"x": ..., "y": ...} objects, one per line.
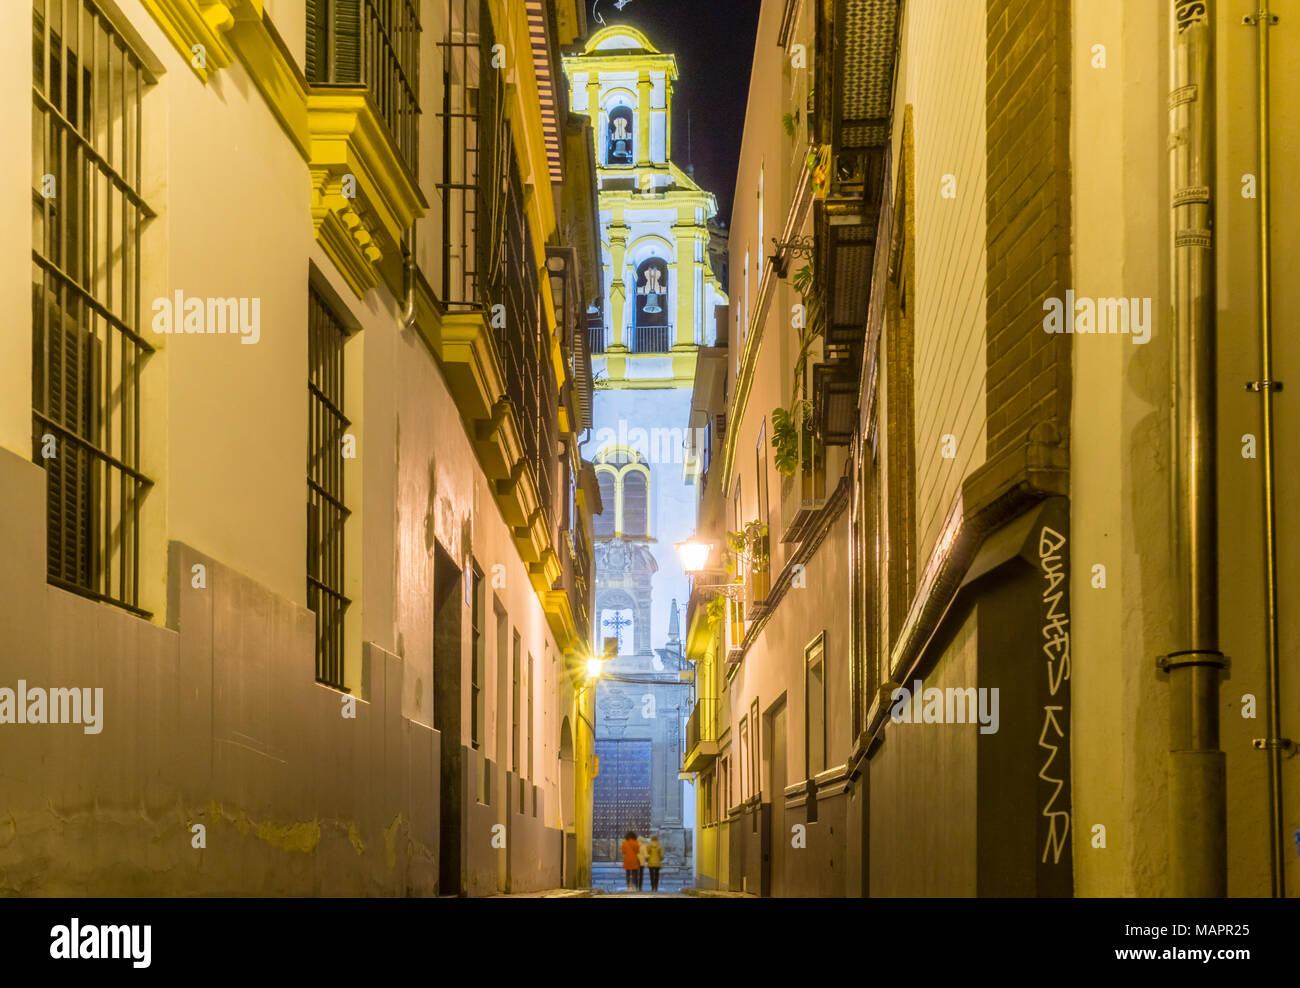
[
  {"x": 641, "y": 860},
  {"x": 654, "y": 856},
  {"x": 631, "y": 859}
]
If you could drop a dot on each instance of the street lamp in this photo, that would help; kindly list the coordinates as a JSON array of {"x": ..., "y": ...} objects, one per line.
[
  {"x": 594, "y": 667},
  {"x": 695, "y": 558},
  {"x": 694, "y": 555}
]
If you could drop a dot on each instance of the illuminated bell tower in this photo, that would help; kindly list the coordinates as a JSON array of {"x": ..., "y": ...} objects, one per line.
[
  {"x": 661, "y": 294},
  {"x": 659, "y": 305}
]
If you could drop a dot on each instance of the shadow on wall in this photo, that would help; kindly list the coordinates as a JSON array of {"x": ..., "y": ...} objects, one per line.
[{"x": 222, "y": 766}]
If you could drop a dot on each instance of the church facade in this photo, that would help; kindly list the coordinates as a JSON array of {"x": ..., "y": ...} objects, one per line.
[{"x": 660, "y": 304}]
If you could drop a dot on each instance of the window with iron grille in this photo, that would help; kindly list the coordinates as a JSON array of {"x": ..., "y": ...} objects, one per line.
[
  {"x": 514, "y": 708},
  {"x": 374, "y": 43},
  {"x": 478, "y": 672},
  {"x": 87, "y": 353},
  {"x": 468, "y": 96},
  {"x": 815, "y": 706},
  {"x": 326, "y": 508},
  {"x": 528, "y": 737},
  {"x": 518, "y": 334},
  {"x": 488, "y": 261}
]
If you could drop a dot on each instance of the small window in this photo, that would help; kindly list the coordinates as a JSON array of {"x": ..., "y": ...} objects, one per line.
[
  {"x": 744, "y": 759},
  {"x": 815, "y": 694},
  {"x": 603, "y": 523}
]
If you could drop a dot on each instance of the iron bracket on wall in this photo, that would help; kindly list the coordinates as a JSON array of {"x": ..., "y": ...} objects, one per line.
[{"x": 785, "y": 249}]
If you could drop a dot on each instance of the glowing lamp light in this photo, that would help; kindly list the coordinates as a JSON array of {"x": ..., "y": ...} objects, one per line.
[
  {"x": 593, "y": 668},
  {"x": 694, "y": 555}
]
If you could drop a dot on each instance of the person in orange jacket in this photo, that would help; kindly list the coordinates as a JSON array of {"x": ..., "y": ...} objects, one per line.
[{"x": 631, "y": 858}]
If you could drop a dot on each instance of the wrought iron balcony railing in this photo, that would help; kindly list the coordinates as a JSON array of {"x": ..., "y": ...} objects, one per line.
[
  {"x": 376, "y": 44},
  {"x": 652, "y": 339}
]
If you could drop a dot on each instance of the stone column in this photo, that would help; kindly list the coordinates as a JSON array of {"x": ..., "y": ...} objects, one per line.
[
  {"x": 687, "y": 267},
  {"x": 617, "y": 288},
  {"x": 593, "y": 111},
  {"x": 643, "y": 130},
  {"x": 668, "y": 118}
]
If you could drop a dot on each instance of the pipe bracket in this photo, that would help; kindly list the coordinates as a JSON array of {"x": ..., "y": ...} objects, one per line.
[
  {"x": 1252, "y": 19},
  {"x": 1259, "y": 386},
  {"x": 1282, "y": 744},
  {"x": 1192, "y": 657}
]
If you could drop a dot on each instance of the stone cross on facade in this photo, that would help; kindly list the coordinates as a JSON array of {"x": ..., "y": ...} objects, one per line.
[{"x": 616, "y": 624}]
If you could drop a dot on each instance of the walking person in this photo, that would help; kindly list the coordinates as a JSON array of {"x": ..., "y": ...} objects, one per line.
[
  {"x": 631, "y": 859},
  {"x": 641, "y": 855},
  {"x": 654, "y": 856}
]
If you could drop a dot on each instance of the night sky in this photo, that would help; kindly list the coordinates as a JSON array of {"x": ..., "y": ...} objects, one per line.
[{"x": 714, "y": 44}]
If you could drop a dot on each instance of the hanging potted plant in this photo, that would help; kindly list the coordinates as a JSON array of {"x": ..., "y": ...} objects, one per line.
[
  {"x": 751, "y": 543},
  {"x": 795, "y": 446},
  {"x": 797, "y": 450},
  {"x": 714, "y": 611}
]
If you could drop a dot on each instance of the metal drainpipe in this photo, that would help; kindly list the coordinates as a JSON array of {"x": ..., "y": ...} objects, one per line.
[
  {"x": 1274, "y": 743},
  {"x": 408, "y": 267},
  {"x": 1197, "y": 789}
]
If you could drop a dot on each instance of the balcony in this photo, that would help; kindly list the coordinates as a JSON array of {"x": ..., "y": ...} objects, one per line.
[
  {"x": 803, "y": 493},
  {"x": 363, "y": 116},
  {"x": 652, "y": 339},
  {"x": 733, "y": 633},
  {"x": 596, "y": 335},
  {"x": 854, "y": 106},
  {"x": 701, "y": 750}
]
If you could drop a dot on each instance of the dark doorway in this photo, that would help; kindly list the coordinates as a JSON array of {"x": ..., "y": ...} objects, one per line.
[
  {"x": 775, "y": 786},
  {"x": 447, "y": 606}
]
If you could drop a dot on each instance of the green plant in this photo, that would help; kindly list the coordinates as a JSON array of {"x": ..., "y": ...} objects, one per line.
[
  {"x": 791, "y": 432},
  {"x": 716, "y": 608},
  {"x": 750, "y": 541},
  {"x": 790, "y": 121},
  {"x": 794, "y": 427},
  {"x": 802, "y": 280},
  {"x": 785, "y": 442}
]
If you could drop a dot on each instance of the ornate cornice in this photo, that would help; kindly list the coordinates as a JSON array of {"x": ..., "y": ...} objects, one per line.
[
  {"x": 344, "y": 231},
  {"x": 353, "y": 161},
  {"x": 197, "y": 28}
]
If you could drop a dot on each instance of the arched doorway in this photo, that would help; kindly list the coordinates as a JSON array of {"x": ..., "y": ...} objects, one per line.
[{"x": 568, "y": 828}]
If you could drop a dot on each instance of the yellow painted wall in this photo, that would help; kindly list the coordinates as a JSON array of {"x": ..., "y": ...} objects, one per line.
[
  {"x": 1120, "y": 445},
  {"x": 224, "y": 424}
]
